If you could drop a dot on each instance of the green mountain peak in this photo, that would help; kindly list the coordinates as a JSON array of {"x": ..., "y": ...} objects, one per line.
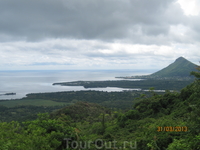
[{"x": 180, "y": 68}]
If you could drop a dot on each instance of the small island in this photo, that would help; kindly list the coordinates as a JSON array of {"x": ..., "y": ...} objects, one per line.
[{"x": 8, "y": 94}]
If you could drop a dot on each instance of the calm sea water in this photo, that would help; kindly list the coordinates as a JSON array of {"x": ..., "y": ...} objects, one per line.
[{"x": 24, "y": 82}]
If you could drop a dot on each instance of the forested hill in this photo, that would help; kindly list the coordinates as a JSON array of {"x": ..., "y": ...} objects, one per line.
[{"x": 180, "y": 68}]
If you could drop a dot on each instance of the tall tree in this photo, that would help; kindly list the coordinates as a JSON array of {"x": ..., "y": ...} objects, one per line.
[{"x": 196, "y": 73}]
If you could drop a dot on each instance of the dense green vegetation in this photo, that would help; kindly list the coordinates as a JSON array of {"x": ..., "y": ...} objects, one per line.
[
  {"x": 29, "y": 107},
  {"x": 24, "y": 113},
  {"x": 169, "y": 121},
  {"x": 122, "y": 100},
  {"x": 43, "y": 133},
  {"x": 28, "y": 101}
]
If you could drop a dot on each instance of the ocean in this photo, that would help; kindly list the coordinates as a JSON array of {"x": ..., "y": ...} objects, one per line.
[{"x": 24, "y": 82}]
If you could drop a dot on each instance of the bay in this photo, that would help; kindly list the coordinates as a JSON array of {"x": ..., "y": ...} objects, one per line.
[{"x": 34, "y": 81}]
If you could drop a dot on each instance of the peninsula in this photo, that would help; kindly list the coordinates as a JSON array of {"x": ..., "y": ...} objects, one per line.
[{"x": 174, "y": 77}]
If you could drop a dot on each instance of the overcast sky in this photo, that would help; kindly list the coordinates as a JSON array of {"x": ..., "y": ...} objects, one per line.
[{"x": 97, "y": 34}]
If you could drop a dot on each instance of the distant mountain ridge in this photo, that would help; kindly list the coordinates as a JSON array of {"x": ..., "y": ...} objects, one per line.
[{"x": 180, "y": 68}]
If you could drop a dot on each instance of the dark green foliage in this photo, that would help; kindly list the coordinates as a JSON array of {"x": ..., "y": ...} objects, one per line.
[
  {"x": 23, "y": 113},
  {"x": 122, "y": 100},
  {"x": 196, "y": 73},
  {"x": 43, "y": 133},
  {"x": 82, "y": 111}
]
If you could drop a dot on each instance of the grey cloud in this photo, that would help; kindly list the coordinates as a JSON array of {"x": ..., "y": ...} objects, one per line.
[
  {"x": 89, "y": 19},
  {"x": 155, "y": 30},
  {"x": 118, "y": 55},
  {"x": 195, "y": 27}
]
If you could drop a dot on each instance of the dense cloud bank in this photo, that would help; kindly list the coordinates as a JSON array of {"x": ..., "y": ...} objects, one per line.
[{"x": 96, "y": 32}]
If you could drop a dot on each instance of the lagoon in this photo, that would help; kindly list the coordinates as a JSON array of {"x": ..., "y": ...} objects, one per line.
[{"x": 37, "y": 81}]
